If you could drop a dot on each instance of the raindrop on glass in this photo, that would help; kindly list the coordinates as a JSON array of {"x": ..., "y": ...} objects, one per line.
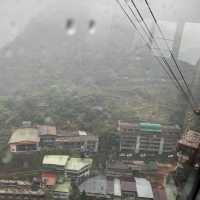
[
  {"x": 70, "y": 26},
  {"x": 92, "y": 26}
]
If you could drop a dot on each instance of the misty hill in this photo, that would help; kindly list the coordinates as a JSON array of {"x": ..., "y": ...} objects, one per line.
[{"x": 112, "y": 61}]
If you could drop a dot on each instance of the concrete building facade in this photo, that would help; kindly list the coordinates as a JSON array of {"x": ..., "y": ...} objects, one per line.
[
  {"x": 77, "y": 141},
  {"x": 147, "y": 138},
  {"x": 24, "y": 140},
  {"x": 77, "y": 169}
]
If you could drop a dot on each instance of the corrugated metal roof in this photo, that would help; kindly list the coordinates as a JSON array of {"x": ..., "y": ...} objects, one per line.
[
  {"x": 59, "y": 160},
  {"x": 25, "y": 134},
  {"x": 78, "y": 163},
  {"x": 149, "y": 127},
  {"x": 144, "y": 189},
  {"x": 95, "y": 185}
]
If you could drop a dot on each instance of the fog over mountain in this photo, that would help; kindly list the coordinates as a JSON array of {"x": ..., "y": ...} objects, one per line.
[{"x": 110, "y": 59}]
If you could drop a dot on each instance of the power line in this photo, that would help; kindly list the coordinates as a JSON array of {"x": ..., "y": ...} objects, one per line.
[
  {"x": 124, "y": 11},
  {"x": 172, "y": 56},
  {"x": 150, "y": 46},
  {"x": 172, "y": 75}
]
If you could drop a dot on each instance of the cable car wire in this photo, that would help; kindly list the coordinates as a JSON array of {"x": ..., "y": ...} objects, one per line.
[
  {"x": 171, "y": 53},
  {"x": 153, "y": 39},
  {"x": 172, "y": 76}
]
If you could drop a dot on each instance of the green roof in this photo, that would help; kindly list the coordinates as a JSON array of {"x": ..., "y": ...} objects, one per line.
[
  {"x": 25, "y": 135},
  {"x": 59, "y": 160},
  {"x": 149, "y": 127},
  {"x": 63, "y": 187},
  {"x": 78, "y": 163}
]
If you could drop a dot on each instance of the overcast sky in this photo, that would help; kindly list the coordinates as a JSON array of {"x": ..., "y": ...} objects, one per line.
[{"x": 15, "y": 15}]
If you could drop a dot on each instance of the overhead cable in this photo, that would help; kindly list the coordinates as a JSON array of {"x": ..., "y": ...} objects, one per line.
[
  {"x": 171, "y": 53},
  {"x": 172, "y": 75}
]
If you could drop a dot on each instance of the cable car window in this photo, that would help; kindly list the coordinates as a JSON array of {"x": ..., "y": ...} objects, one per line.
[{"x": 99, "y": 99}]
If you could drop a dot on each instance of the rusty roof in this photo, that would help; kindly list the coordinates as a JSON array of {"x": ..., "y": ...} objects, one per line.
[
  {"x": 191, "y": 139},
  {"x": 47, "y": 130},
  {"x": 25, "y": 135}
]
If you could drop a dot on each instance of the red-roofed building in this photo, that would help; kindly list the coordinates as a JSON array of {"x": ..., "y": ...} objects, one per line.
[{"x": 49, "y": 178}]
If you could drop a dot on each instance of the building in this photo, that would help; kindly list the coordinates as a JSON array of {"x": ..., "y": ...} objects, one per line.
[
  {"x": 55, "y": 163},
  {"x": 148, "y": 138},
  {"x": 77, "y": 141},
  {"x": 47, "y": 135},
  {"x": 49, "y": 179},
  {"x": 101, "y": 187},
  {"x": 118, "y": 169},
  {"x": 127, "y": 168},
  {"x": 188, "y": 148},
  {"x": 15, "y": 189},
  {"x": 77, "y": 169},
  {"x": 62, "y": 190},
  {"x": 24, "y": 140}
]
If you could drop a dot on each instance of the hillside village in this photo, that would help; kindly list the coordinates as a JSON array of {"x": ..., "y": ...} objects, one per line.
[{"x": 70, "y": 166}]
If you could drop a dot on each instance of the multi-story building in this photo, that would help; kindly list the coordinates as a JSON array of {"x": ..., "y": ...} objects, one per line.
[
  {"x": 15, "y": 189},
  {"x": 55, "y": 163},
  {"x": 47, "y": 135},
  {"x": 24, "y": 140},
  {"x": 147, "y": 138},
  {"x": 77, "y": 169},
  {"x": 77, "y": 141}
]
